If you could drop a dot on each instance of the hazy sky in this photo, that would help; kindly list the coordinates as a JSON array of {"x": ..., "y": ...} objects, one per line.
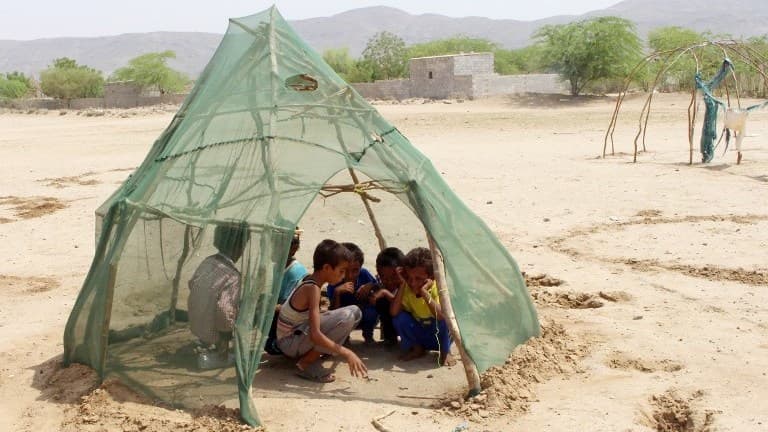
[{"x": 34, "y": 19}]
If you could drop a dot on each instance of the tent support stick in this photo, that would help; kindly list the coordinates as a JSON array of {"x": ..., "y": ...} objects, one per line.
[
  {"x": 177, "y": 276},
  {"x": 473, "y": 377},
  {"x": 371, "y": 215},
  {"x": 691, "y": 124},
  {"x": 107, "y": 318},
  {"x": 368, "y": 209}
]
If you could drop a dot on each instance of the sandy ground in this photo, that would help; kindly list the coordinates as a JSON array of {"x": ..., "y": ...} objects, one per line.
[{"x": 651, "y": 279}]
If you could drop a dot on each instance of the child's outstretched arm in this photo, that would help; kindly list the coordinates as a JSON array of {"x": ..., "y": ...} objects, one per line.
[
  {"x": 383, "y": 293},
  {"x": 356, "y": 366}
]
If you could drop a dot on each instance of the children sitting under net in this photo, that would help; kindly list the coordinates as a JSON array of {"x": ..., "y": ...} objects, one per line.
[
  {"x": 381, "y": 293},
  {"x": 306, "y": 334},
  {"x": 417, "y": 315},
  {"x": 348, "y": 292}
]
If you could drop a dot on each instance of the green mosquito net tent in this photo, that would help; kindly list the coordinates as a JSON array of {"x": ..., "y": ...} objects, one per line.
[{"x": 265, "y": 128}]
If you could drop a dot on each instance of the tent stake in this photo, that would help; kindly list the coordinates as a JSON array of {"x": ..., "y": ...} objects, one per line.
[{"x": 473, "y": 377}]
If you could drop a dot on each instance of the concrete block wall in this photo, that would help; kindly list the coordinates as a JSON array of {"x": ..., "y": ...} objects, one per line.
[
  {"x": 385, "y": 90},
  {"x": 173, "y": 99},
  {"x": 473, "y": 64},
  {"x": 91, "y": 103},
  {"x": 432, "y": 77},
  {"x": 34, "y": 104},
  {"x": 86, "y": 103},
  {"x": 463, "y": 88},
  {"x": 490, "y": 85},
  {"x": 440, "y": 66}
]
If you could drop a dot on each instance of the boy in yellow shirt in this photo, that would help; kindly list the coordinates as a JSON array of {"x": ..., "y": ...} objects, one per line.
[{"x": 416, "y": 312}]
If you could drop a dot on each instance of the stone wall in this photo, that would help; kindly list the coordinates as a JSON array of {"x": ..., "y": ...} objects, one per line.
[
  {"x": 473, "y": 64},
  {"x": 82, "y": 104},
  {"x": 385, "y": 90},
  {"x": 34, "y": 104},
  {"x": 121, "y": 95},
  {"x": 115, "y": 101},
  {"x": 463, "y": 87},
  {"x": 431, "y": 77},
  {"x": 490, "y": 85},
  {"x": 443, "y": 77}
]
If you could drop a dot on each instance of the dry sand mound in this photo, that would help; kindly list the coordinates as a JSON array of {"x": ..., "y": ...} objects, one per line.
[
  {"x": 64, "y": 385},
  {"x": 30, "y": 207},
  {"x": 511, "y": 387},
  {"x": 620, "y": 360},
  {"x": 566, "y": 299},
  {"x": 78, "y": 180},
  {"x": 113, "y": 406},
  {"x": 29, "y": 285},
  {"x": 541, "y": 280},
  {"x": 674, "y": 411}
]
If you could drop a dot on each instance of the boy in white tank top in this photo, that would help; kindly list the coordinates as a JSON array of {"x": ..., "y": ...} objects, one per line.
[{"x": 306, "y": 334}]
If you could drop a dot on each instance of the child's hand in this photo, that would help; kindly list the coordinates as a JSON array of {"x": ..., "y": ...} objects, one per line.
[
  {"x": 424, "y": 291},
  {"x": 346, "y": 288},
  {"x": 364, "y": 292},
  {"x": 400, "y": 274},
  {"x": 356, "y": 366}
]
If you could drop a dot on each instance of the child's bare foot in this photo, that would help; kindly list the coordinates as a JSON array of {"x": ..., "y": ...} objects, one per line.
[
  {"x": 308, "y": 359},
  {"x": 446, "y": 359},
  {"x": 317, "y": 375},
  {"x": 414, "y": 353}
]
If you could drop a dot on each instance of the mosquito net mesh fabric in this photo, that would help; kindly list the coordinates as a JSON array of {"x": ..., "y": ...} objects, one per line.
[{"x": 267, "y": 127}]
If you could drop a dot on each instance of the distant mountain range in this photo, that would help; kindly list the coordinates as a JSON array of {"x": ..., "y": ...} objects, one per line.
[{"x": 354, "y": 28}]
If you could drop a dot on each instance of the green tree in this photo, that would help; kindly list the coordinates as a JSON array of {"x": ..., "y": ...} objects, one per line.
[
  {"x": 64, "y": 63},
  {"x": 668, "y": 38},
  {"x": 20, "y": 77},
  {"x": 349, "y": 69},
  {"x": 362, "y": 71},
  {"x": 15, "y": 85},
  {"x": 340, "y": 61},
  {"x": 68, "y": 80},
  {"x": 586, "y": 51},
  {"x": 453, "y": 45},
  {"x": 677, "y": 76},
  {"x": 12, "y": 89},
  {"x": 387, "y": 56},
  {"x": 151, "y": 71},
  {"x": 520, "y": 61}
]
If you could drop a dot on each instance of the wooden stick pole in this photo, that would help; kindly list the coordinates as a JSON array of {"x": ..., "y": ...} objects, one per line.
[
  {"x": 371, "y": 215},
  {"x": 107, "y": 318},
  {"x": 177, "y": 275},
  {"x": 473, "y": 377},
  {"x": 691, "y": 124},
  {"x": 366, "y": 203}
]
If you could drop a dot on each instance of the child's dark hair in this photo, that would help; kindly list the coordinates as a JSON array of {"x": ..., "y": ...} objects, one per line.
[
  {"x": 390, "y": 257},
  {"x": 231, "y": 238},
  {"x": 330, "y": 252},
  {"x": 357, "y": 253},
  {"x": 419, "y": 257}
]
